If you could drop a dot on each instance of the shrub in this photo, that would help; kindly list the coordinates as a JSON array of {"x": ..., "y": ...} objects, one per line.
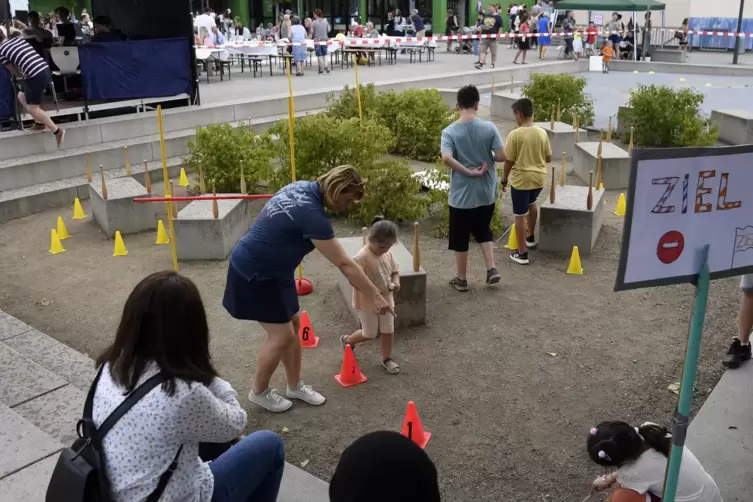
[
  {"x": 415, "y": 117},
  {"x": 440, "y": 207},
  {"x": 666, "y": 117},
  {"x": 323, "y": 142},
  {"x": 221, "y": 150},
  {"x": 392, "y": 192},
  {"x": 566, "y": 91}
]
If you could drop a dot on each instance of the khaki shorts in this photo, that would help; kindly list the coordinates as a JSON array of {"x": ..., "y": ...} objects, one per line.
[
  {"x": 372, "y": 324},
  {"x": 489, "y": 43},
  {"x": 746, "y": 283}
]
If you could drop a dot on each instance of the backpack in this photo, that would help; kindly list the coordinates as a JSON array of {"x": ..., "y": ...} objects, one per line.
[{"x": 79, "y": 474}]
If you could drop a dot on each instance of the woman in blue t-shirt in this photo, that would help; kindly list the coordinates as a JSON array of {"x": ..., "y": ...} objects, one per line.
[{"x": 260, "y": 279}]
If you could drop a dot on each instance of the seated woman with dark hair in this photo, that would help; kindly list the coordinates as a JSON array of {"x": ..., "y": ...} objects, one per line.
[{"x": 164, "y": 331}]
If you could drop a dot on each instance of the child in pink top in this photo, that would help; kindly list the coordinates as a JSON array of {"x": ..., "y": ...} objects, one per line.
[{"x": 377, "y": 262}]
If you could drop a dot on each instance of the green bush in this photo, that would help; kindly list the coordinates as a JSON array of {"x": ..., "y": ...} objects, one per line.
[
  {"x": 440, "y": 207},
  {"x": 415, "y": 117},
  {"x": 392, "y": 192},
  {"x": 566, "y": 91},
  {"x": 221, "y": 150},
  {"x": 323, "y": 142},
  {"x": 666, "y": 117}
]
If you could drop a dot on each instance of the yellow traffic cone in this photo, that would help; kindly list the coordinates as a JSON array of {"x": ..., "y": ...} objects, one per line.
[
  {"x": 55, "y": 245},
  {"x": 183, "y": 178},
  {"x": 512, "y": 241},
  {"x": 62, "y": 231},
  {"x": 161, "y": 234},
  {"x": 575, "y": 266},
  {"x": 620, "y": 211},
  {"x": 78, "y": 211},
  {"x": 120, "y": 249}
]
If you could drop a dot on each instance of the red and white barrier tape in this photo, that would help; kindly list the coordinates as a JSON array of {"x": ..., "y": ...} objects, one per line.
[{"x": 445, "y": 38}]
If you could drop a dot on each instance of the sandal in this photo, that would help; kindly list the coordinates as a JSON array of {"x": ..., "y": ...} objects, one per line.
[{"x": 391, "y": 366}]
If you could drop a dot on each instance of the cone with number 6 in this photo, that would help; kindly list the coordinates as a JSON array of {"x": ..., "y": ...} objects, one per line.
[
  {"x": 350, "y": 374},
  {"x": 412, "y": 427},
  {"x": 306, "y": 334}
]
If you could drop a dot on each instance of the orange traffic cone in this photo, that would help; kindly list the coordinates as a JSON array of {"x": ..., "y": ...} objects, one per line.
[
  {"x": 306, "y": 334},
  {"x": 350, "y": 375},
  {"x": 412, "y": 428}
]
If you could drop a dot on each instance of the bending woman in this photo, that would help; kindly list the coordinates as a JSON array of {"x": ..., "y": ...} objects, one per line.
[{"x": 261, "y": 276}]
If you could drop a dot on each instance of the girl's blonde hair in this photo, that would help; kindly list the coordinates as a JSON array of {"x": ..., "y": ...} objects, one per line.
[{"x": 338, "y": 180}]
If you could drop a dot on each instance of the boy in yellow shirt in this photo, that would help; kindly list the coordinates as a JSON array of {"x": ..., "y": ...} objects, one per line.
[{"x": 528, "y": 152}]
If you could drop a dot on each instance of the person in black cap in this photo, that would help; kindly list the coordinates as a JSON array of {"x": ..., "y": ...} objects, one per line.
[{"x": 383, "y": 466}]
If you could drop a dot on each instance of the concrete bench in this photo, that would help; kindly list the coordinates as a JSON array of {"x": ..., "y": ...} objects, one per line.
[
  {"x": 118, "y": 212},
  {"x": 201, "y": 236},
  {"x": 663, "y": 56},
  {"x": 735, "y": 126},
  {"x": 623, "y": 120},
  {"x": 615, "y": 163},
  {"x": 410, "y": 300},
  {"x": 502, "y": 105},
  {"x": 562, "y": 138},
  {"x": 568, "y": 222}
]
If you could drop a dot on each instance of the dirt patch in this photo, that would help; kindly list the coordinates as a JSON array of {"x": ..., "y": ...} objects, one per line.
[{"x": 509, "y": 420}]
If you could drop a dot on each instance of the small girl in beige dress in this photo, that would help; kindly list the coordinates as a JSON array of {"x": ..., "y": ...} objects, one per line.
[{"x": 377, "y": 262}]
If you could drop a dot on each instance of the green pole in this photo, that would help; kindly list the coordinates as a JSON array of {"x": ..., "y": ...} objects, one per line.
[{"x": 692, "y": 353}]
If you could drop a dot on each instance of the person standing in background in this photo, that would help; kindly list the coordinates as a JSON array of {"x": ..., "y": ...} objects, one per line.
[
  {"x": 418, "y": 23},
  {"x": 320, "y": 33},
  {"x": 739, "y": 351}
]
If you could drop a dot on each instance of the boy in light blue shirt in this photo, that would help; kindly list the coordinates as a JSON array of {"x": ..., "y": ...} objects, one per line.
[{"x": 470, "y": 148}]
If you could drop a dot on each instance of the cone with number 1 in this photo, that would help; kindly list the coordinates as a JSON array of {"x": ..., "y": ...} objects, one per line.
[
  {"x": 306, "y": 334},
  {"x": 350, "y": 374},
  {"x": 412, "y": 427}
]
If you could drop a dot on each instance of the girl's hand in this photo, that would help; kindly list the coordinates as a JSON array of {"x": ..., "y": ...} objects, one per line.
[
  {"x": 600, "y": 484},
  {"x": 395, "y": 286},
  {"x": 382, "y": 307}
]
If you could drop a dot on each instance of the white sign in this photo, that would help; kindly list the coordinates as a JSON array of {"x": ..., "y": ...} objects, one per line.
[{"x": 679, "y": 201}]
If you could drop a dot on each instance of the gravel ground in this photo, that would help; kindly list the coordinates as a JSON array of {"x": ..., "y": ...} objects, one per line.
[{"x": 508, "y": 379}]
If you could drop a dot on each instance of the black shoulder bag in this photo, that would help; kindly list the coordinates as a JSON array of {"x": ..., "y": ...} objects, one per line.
[{"x": 79, "y": 474}]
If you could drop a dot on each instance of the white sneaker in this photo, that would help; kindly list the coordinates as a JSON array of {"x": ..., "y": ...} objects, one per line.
[
  {"x": 270, "y": 400},
  {"x": 305, "y": 393}
]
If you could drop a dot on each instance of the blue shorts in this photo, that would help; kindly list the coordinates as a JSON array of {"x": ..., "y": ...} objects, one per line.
[
  {"x": 35, "y": 86},
  {"x": 269, "y": 300},
  {"x": 523, "y": 199},
  {"x": 320, "y": 50}
]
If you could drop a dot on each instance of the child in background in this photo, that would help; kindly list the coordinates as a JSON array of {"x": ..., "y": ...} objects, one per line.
[
  {"x": 528, "y": 152},
  {"x": 591, "y": 33},
  {"x": 377, "y": 262},
  {"x": 606, "y": 56},
  {"x": 640, "y": 455}
]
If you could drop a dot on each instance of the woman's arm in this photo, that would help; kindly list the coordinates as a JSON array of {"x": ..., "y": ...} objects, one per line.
[
  {"x": 210, "y": 414},
  {"x": 334, "y": 252}
]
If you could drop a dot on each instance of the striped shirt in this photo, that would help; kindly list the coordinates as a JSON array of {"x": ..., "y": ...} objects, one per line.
[{"x": 21, "y": 54}]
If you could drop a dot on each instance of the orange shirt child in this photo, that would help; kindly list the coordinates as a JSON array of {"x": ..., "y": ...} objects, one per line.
[{"x": 607, "y": 53}]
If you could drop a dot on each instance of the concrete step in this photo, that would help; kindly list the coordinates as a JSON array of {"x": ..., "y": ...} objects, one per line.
[
  {"x": 49, "y": 180},
  {"x": 43, "y": 385},
  {"x": 19, "y": 144},
  {"x": 21, "y": 202},
  {"x": 20, "y": 172}
]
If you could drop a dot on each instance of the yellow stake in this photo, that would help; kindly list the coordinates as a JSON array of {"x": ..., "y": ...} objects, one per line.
[
  {"x": 358, "y": 91},
  {"x": 127, "y": 160},
  {"x": 165, "y": 178},
  {"x": 291, "y": 132},
  {"x": 88, "y": 169}
]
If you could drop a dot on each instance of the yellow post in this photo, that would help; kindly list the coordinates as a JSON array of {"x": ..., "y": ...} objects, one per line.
[
  {"x": 630, "y": 146},
  {"x": 492, "y": 84},
  {"x": 88, "y": 169},
  {"x": 127, "y": 160},
  {"x": 147, "y": 180},
  {"x": 291, "y": 132},
  {"x": 166, "y": 179},
  {"x": 102, "y": 180},
  {"x": 363, "y": 235},
  {"x": 358, "y": 91},
  {"x": 609, "y": 131},
  {"x": 416, "y": 248}
]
